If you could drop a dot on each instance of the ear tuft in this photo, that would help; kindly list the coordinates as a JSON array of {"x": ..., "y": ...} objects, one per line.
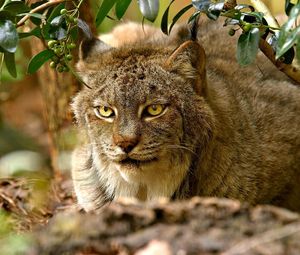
[{"x": 188, "y": 60}]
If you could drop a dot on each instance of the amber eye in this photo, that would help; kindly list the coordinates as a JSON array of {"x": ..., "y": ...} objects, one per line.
[
  {"x": 154, "y": 109},
  {"x": 104, "y": 112}
]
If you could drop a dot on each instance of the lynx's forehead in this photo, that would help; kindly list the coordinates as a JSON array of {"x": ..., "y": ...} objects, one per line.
[{"x": 134, "y": 83}]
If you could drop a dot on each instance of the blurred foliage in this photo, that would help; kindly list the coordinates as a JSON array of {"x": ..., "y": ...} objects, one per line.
[
  {"x": 12, "y": 139},
  {"x": 12, "y": 243},
  {"x": 20, "y": 68},
  {"x": 68, "y": 139},
  {"x": 15, "y": 244}
]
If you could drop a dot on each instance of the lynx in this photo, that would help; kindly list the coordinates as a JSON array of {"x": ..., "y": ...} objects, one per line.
[{"x": 164, "y": 118}]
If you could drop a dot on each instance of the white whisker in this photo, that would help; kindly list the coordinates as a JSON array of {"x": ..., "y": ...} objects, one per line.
[{"x": 180, "y": 147}]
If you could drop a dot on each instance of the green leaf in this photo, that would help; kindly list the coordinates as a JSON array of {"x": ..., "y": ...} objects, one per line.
[
  {"x": 292, "y": 18},
  {"x": 298, "y": 50},
  {"x": 37, "y": 3},
  {"x": 240, "y": 7},
  {"x": 201, "y": 5},
  {"x": 288, "y": 36},
  {"x": 216, "y": 7},
  {"x": 233, "y": 14},
  {"x": 56, "y": 11},
  {"x": 288, "y": 7},
  {"x": 104, "y": 9},
  {"x": 8, "y": 36},
  {"x": 149, "y": 9},
  {"x": 1, "y": 3},
  {"x": 214, "y": 15},
  {"x": 85, "y": 29},
  {"x": 9, "y": 59},
  {"x": 57, "y": 20},
  {"x": 34, "y": 32},
  {"x": 214, "y": 10},
  {"x": 35, "y": 20},
  {"x": 178, "y": 15},
  {"x": 5, "y": 15},
  {"x": 288, "y": 43},
  {"x": 121, "y": 7},
  {"x": 35, "y": 15},
  {"x": 74, "y": 33},
  {"x": 257, "y": 15},
  {"x": 164, "y": 19},
  {"x": 16, "y": 7},
  {"x": 45, "y": 31},
  {"x": 59, "y": 33},
  {"x": 248, "y": 46},
  {"x": 38, "y": 60},
  {"x": 194, "y": 16}
]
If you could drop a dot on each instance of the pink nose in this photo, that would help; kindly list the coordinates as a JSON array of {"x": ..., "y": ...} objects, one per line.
[{"x": 126, "y": 143}]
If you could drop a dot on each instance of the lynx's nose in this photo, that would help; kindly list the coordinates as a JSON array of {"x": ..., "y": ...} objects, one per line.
[{"x": 126, "y": 143}]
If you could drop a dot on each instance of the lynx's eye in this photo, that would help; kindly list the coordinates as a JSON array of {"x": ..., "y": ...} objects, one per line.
[
  {"x": 154, "y": 109},
  {"x": 104, "y": 112}
]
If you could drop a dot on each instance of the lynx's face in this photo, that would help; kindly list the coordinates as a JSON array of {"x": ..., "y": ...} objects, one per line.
[
  {"x": 143, "y": 116},
  {"x": 133, "y": 121}
]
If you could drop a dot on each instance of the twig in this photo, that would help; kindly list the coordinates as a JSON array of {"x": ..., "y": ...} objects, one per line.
[
  {"x": 8, "y": 199},
  {"x": 39, "y": 8},
  {"x": 266, "y": 237},
  {"x": 290, "y": 70}
]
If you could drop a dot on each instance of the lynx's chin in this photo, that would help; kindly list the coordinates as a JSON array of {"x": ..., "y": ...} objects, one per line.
[{"x": 132, "y": 168}]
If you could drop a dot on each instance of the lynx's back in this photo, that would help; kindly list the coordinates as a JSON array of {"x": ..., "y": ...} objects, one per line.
[{"x": 164, "y": 119}]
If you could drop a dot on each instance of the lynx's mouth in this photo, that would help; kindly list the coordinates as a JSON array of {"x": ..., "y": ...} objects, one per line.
[{"x": 134, "y": 162}]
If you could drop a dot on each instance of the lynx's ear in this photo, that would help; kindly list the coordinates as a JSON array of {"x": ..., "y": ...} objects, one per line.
[
  {"x": 188, "y": 60},
  {"x": 91, "y": 48}
]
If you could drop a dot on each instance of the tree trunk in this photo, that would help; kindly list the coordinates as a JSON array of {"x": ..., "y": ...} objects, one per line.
[{"x": 57, "y": 89}]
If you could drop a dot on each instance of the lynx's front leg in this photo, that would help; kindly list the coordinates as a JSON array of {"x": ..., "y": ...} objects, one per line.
[{"x": 90, "y": 194}]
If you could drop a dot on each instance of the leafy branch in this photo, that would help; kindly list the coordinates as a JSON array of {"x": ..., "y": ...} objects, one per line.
[
  {"x": 56, "y": 25},
  {"x": 260, "y": 30},
  {"x": 37, "y": 9},
  {"x": 51, "y": 22}
]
